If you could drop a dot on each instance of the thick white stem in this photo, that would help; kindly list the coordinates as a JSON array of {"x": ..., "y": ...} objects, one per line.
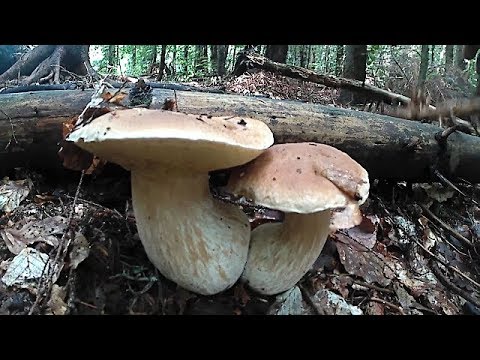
[
  {"x": 193, "y": 239},
  {"x": 282, "y": 253}
]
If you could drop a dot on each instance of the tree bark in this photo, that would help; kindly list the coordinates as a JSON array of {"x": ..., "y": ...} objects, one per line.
[
  {"x": 277, "y": 53},
  {"x": 355, "y": 67},
  {"x": 448, "y": 56},
  {"x": 422, "y": 74},
  {"x": 162, "y": 63},
  {"x": 459, "y": 60},
  {"x": 185, "y": 59},
  {"x": 214, "y": 58},
  {"x": 339, "y": 60},
  {"x": 222, "y": 59},
  {"x": 387, "y": 147}
]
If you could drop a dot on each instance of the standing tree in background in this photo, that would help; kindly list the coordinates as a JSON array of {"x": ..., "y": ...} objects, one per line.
[
  {"x": 459, "y": 60},
  {"x": 162, "y": 63},
  {"x": 303, "y": 56},
  {"x": 339, "y": 60},
  {"x": 448, "y": 56},
  {"x": 153, "y": 59},
  {"x": 422, "y": 74},
  {"x": 214, "y": 58},
  {"x": 355, "y": 67},
  {"x": 222, "y": 51},
  {"x": 277, "y": 53}
]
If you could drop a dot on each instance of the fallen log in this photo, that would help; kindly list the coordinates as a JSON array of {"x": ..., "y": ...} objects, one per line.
[
  {"x": 252, "y": 60},
  {"x": 387, "y": 147},
  {"x": 456, "y": 108}
]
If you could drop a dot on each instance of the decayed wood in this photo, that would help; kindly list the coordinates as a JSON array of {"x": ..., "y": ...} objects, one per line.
[
  {"x": 460, "y": 108},
  {"x": 387, "y": 147},
  {"x": 297, "y": 72}
]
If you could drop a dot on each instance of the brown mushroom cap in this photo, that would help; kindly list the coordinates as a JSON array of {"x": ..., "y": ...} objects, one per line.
[
  {"x": 301, "y": 178},
  {"x": 197, "y": 142}
]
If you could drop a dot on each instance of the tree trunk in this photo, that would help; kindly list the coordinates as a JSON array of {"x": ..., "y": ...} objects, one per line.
[
  {"x": 47, "y": 61},
  {"x": 134, "y": 56},
  {"x": 185, "y": 59},
  {"x": 459, "y": 60},
  {"x": 432, "y": 51},
  {"x": 339, "y": 60},
  {"x": 303, "y": 55},
  {"x": 477, "y": 70},
  {"x": 174, "y": 61},
  {"x": 422, "y": 74},
  {"x": 162, "y": 63},
  {"x": 214, "y": 58},
  {"x": 222, "y": 59},
  {"x": 200, "y": 60},
  {"x": 111, "y": 56},
  {"x": 448, "y": 56},
  {"x": 153, "y": 59},
  {"x": 355, "y": 67},
  {"x": 277, "y": 53},
  {"x": 387, "y": 147}
]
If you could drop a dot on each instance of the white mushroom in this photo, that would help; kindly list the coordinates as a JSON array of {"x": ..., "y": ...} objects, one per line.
[
  {"x": 305, "y": 181},
  {"x": 194, "y": 240}
]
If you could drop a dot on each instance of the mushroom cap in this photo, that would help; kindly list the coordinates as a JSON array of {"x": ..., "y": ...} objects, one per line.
[
  {"x": 301, "y": 178},
  {"x": 134, "y": 138}
]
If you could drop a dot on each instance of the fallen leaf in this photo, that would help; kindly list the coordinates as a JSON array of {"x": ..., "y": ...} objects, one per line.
[
  {"x": 80, "y": 250},
  {"x": 357, "y": 261},
  {"x": 437, "y": 191},
  {"x": 114, "y": 98},
  {"x": 333, "y": 304},
  {"x": 34, "y": 231},
  {"x": 56, "y": 302},
  {"x": 26, "y": 268},
  {"x": 12, "y": 193},
  {"x": 290, "y": 303},
  {"x": 375, "y": 308}
]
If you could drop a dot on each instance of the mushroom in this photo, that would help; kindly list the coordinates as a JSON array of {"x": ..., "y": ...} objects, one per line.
[
  {"x": 305, "y": 181},
  {"x": 193, "y": 239}
]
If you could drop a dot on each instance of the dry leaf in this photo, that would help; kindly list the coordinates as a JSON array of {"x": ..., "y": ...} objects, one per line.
[
  {"x": 56, "y": 302},
  {"x": 12, "y": 193},
  {"x": 360, "y": 262},
  {"x": 80, "y": 250},
  {"x": 26, "y": 268},
  {"x": 332, "y": 304},
  {"x": 34, "y": 231}
]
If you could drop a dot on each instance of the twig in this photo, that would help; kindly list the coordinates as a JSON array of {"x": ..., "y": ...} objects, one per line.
[
  {"x": 446, "y": 227},
  {"x": 444, "y": 180},
  {"x": 13, "y": 130},
  {"x": 132, "y": 278},
  {"x": 361, "y": 283},
  {"x": 388, "y": 303},
  {"x": 448, "y": 266},
  {"x": 114, "y": 211},
  {"x": 444, "y": 280},
  {"x": 63, "y": 245},
  {"x": 86, "y": 304}
]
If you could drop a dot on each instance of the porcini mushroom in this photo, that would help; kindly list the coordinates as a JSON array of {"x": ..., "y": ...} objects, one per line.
[
  {"x": 193, "y": 239},
  {"x": 305, "y": 181}
]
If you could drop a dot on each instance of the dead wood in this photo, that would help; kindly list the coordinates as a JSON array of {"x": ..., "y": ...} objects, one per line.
[{"x": 387, "y": 147}]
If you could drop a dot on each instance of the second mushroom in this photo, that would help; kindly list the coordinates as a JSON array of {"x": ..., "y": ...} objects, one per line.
[{"x": 306, "y": 181}]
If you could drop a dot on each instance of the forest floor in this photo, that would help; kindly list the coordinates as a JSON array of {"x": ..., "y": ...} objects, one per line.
[{"x": 417, "y": 250}]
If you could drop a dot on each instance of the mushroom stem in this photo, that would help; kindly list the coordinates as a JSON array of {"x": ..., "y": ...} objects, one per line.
[
  {"x": 282, "y": 253},
  {"x": 194, "y": 240}
]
